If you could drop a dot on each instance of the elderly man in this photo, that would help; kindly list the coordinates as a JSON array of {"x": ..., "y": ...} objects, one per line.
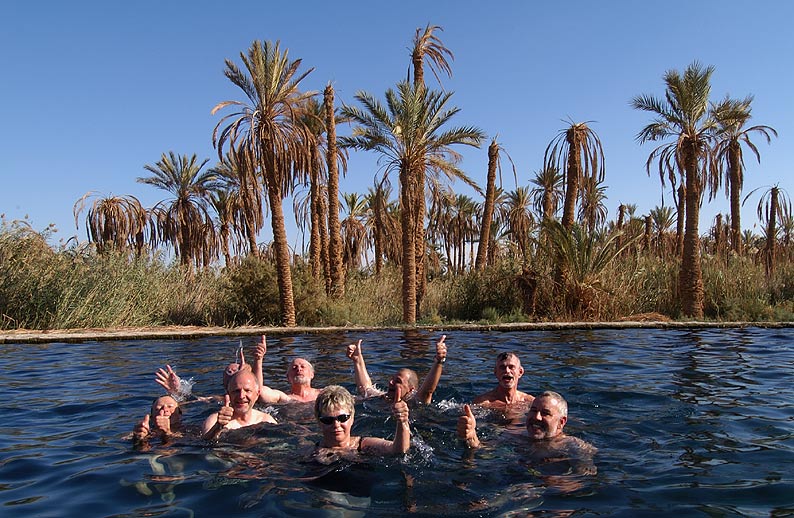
[
  {"x": 238, "y": 411},
  {"x": 405, "y": 379},
  {"x": 506, "y": 396},
  {"x": 164, "y": 421},
  {"x": 300, "y": 375}
]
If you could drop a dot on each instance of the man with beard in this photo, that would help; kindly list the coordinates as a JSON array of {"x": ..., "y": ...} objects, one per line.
[
  {"x": 549, "y": 445},
  {"x": 405, "y": 379},
  {"x": 300, "y": 375},
  {"x": 238, "y": 411},
  {"x": 506, "y": 397}
]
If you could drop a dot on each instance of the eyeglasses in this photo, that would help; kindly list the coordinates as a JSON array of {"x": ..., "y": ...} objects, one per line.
[{"x": 329, "y": 419}]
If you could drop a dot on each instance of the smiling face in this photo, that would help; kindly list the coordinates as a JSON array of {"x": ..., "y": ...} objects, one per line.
[
  {"x": 546, "y": 418},
  {"x": 300, "y": 372},
  {"x": 243, "y": 392},
  {"x": 508, "y": 371}
]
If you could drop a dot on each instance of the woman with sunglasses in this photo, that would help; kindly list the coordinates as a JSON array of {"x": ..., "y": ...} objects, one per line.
[{"x": 335, "y": 411}]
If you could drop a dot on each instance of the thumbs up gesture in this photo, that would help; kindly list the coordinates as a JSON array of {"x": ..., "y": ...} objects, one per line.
[
  {"x": 142, "y": 429},
  {"x": 226, "y": 412},
  {"x": 354, "y": 351},
  {"x": 467, "y": 428},
  {"x": 400, "y": 407}
]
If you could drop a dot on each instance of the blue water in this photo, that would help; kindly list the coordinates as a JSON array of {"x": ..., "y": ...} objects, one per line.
[{"x": 686, "y": 422}]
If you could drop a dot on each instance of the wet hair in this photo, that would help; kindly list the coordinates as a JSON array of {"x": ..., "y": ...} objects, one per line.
[
  {"x": 334, "y": 396},
  {"x": 561, "y": 403},
  {"x": 506, "y": 356},
  {"x": 158, "y": 398}
]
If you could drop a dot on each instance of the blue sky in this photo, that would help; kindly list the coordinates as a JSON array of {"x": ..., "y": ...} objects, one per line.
[{"x": 93, "y": 91}]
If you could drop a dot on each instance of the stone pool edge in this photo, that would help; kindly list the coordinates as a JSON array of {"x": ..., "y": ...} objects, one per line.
[{"x": 187, "y": 332}]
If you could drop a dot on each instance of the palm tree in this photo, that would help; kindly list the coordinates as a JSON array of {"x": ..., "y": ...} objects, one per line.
[
  {"x": 268, "y": 133},
  {"x": 408, "y": 133},
  {"x": 183, "y": 221},
  {"x": 494, "y": 165},
  {"x": 773, "y": 206},
  {"x": 518, "y": 219},
  {"x": 592, "y": 210},
  {"x": 231, "y": 204},
  {"x": 425, "y": 45},
  {"x": 354, "y": 230},
  {"x": 683, "y": 116},
  {"x": 335, "y": 255},
  {"x": 547, "y": 193},
  {"x": 579, "y": 148},
  {"x": 114, "y": 222},
  {"x": 663, "y": 219},
  {"x": 732, "y": 115},
  {"x": 384, "y": 229}
]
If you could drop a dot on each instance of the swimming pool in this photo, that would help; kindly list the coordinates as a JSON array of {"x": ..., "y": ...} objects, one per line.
[{"x": 693, "y": 422}]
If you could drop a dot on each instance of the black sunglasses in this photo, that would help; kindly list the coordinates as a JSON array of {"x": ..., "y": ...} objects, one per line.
[{"x": 328, "y": 419}]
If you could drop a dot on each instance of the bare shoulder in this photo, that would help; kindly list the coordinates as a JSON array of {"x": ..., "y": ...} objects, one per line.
[
  {"x": 577, "y": 446},
  {"x": 485, "y": 399},
  {"x": 526, "y": 398},
  {"x": 264, "y": 417}
]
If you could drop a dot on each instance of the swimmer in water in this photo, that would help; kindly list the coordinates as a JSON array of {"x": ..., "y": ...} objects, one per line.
[
  {"x": 163, "y": 422},
  {"x": 405, "y": 379},
  {"x": 299, "y": 375},
  {"x": 506, "y": 397},
  {"x": 242, "y": 392},
  {"x": 335, "y": 413}
]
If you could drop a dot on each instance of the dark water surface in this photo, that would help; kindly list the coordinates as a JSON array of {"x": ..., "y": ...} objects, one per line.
[{"x": 686, "y": 422}]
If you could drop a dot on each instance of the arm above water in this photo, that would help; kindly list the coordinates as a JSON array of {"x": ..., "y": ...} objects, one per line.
[
  {"x": 363, "y": 381},
  {"x": 402, "y": 433},
  {"x": 267, "y": 395},
  {"x": 467, "y": 428},
  {"x": 430, "y": 383}
]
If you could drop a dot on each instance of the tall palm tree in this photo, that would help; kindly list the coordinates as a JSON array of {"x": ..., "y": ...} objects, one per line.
[
  {"x": 237, "y": 206},
  {"x": 684, "y": 117},
  {"x": 547, "y": 193},
  {"x": 335, "y": 255},
  {"x": 732, "y": 116},
  {"x": 384, "y": 229},
  {"x": 494, "y": 166},
  {"x": 408, "y": 133},
  {"x": 592, "y": 210},
  {"x": 773, "y": 206},
  {"x": 268, "y": 133},
  {"x": 518, "y": 219},
  {"x": 579, "y": 149},
  {"x": 184, "y": 220},
  {"x": 426, "y": 46},
  {"x": 663, "y": 218}
]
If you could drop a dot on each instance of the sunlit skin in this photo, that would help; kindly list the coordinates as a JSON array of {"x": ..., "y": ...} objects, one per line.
[
  {"x": 508, "y": 371},
  {"x": 299, "y": 375},
  {"x": 403, "y": 381},
  {"x": 336, "y": 434},
  {"x": 164, "y": 419},
  {"x": 545, "y": 420},
  {"x": 238, "y": 411}
]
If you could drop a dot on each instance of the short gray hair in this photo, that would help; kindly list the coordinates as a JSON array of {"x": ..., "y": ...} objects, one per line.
[
  {"x": 334, "y": 396},
  {"x": 561, "y": 403}
]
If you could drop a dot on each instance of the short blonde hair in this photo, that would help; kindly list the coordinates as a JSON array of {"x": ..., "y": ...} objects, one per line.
[{"x": 334, "y": 396}]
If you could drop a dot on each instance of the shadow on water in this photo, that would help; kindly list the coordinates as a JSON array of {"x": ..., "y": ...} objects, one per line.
[{"x": 686, "y": 422}]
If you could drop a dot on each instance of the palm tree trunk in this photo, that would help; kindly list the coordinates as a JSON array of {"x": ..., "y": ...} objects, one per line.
[
  {"x": 646, "y": 239},
  {"x": 419, "y": 240},
  {"x": 315, "y": 247},
  {"x": 488, "y": 209},
  {"x": 691, "y": 276},
  {"x": 679, "y": 222},
  {"x": 334, "y": 228},
  {"x": 771, "y": 231},
  {"x": 409, "y": 247},
  {"x": 573, "y": 172},
  {"x": 284, "y": 272},
  {"x": 734, "y": 166}
]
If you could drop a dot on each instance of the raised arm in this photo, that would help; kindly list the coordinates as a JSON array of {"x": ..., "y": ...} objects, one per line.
[
  {"x": 363, "y": 382},
  {"x": 402, "y": 432},
  {"x": 215, "y": 423},
  {"x": 430, "y": 383},
  {"x": 267, "y": 395},
  {"x": 467, "y": 428}
]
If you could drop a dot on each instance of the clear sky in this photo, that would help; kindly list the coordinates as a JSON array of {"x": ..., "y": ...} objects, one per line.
[{"x": 91, "y": 91}]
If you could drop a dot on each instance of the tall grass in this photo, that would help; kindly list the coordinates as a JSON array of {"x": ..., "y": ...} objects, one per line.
[{"x": 42, "y": 288}]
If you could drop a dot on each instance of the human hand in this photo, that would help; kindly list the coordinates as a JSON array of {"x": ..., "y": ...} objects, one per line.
[
  {"x": 260, "y": 350},
  {"x": 141, "y": 430},
  {"x": 400, "y": 407},
  {"x": 163, "y": 423},
  {"x": 467, "y": 426},
  {"x": 441, "y": 350},
  {"x": 354, "y": 352},
  {"x": 226, "y": 412},
  {"x": 168, "y": 379}
]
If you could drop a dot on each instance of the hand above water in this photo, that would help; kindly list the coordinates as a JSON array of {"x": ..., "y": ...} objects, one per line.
[
  {"x": 260, "y": 350},
  {"x": 467, "y": 428},
  {"x": 168, "y": 379},
  {"x": 354, "y": 352}
]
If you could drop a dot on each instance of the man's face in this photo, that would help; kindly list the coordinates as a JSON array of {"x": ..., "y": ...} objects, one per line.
[
  {"x": 300, "y": 372},
  {"x": 508, "y": 371},
  {"x": 544, "y": 420},
  {"x": 243, "y": 392},
  {"x": 168, "y": 407},
  {"x": 402, "y": 380}
]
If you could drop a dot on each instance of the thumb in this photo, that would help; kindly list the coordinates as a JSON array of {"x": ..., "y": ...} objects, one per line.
[
  {"x": 358, "y": 347},
  {"x": 146, "y": 420},
  {"x": 467, "y": 411},
  {"x": 398, "y": 393},
  {"x": 227, "y": 401},
  {"x": 443, "y": 337}
]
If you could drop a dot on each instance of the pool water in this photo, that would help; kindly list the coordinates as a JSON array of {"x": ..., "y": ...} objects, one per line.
[{"x": 687, "y": 423}]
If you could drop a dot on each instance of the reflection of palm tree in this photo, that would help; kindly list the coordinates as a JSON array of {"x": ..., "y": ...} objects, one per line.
[
  {"x": 732, "y": 115},
  {"x": 270, "y": 138},
  {"x": 683, "y": 116},
  {"x": 579, "y": 148},
  {"x": 408, "y": 133},
  {"x": 183, "y": 221}
]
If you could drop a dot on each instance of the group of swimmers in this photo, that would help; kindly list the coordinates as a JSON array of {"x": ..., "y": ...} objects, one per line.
[{"x": 334, "y": 406}]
